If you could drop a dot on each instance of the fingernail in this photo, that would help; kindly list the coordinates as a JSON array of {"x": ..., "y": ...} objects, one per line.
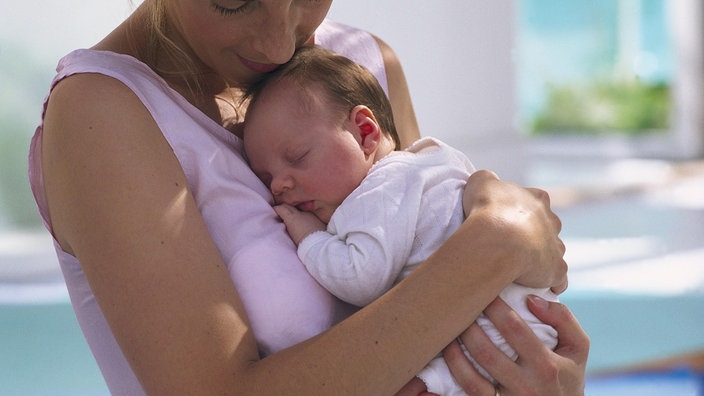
[{"x": 538, "y": 301}]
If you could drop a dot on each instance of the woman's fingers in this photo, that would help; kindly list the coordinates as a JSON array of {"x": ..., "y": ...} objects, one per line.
[
  {"x": 469, "y": 379},
  {"x": 573, "y": 342},
  {"x": 473, "y": 196},
  {"x": 538, "y": 370},
  {"x": 544, "y": 197},
  {"x": 515, "y": 331},
  {"x": 527, "y": 225},
  {"x": 508, "y": 373},
  {"x": 561, "y": 282}
]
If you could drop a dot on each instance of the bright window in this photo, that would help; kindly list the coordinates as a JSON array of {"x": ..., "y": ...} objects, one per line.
[{"x": 594, "y": 67}]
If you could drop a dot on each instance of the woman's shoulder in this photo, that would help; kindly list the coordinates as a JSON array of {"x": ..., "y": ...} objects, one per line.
[
  {"x": 91, "y": 93},
  {"x": 101, "y": 62},
  {"x": 95, "y": 82},
  {"x": 105, "y": 82},
  {"x": 102, "y": 69},
  {"x": 95, "y": 78}
]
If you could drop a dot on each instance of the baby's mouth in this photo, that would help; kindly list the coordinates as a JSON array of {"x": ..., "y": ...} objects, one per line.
[{"x": 307, "y": 206}]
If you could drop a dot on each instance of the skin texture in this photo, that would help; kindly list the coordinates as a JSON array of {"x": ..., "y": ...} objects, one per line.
[
  {"x": 119, "y": 201},
  {"x": 311, "y": 156}
]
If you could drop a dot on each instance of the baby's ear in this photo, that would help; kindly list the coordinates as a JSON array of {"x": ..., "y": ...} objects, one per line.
[{"x": 366, "y": 128}]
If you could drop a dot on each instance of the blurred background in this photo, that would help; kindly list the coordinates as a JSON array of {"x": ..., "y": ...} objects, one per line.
[{"x": 600, "y": 102}]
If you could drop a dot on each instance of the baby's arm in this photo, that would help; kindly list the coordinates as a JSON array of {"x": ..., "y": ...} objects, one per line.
[
  {"x": 354, "y": 264},
  {"x": 298, "y": 224},
  {"x": 362, "y": 251}
]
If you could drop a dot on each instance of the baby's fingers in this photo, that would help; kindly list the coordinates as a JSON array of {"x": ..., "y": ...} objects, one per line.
[{"x": 285, "y": 211}]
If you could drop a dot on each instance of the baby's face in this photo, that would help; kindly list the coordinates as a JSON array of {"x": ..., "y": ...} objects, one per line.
[{"x": 305, "y": 154}]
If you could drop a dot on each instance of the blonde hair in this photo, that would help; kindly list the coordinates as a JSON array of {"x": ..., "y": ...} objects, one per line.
[{"x": 160, "y": 45}]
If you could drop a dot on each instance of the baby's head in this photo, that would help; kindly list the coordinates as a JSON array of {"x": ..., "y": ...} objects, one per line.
[
  {"x": 314, "y": 127},
  {"x": 342, "y": 83}
]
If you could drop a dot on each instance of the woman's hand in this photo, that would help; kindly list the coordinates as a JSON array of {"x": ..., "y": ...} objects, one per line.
[
  {"x": 538, "y": 370},
  {"x": 524, "y": 227},
  {"x": 414, "y": 387}
]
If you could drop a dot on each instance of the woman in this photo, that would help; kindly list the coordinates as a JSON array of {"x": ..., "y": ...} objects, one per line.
[{"x": 155, "y": 216}]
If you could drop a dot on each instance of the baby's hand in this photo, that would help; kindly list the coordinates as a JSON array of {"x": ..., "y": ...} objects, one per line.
[{"x": 298, "y": 224}]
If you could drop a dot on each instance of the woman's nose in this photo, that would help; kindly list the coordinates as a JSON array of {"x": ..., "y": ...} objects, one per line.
[{"x": 276, "y": 39}]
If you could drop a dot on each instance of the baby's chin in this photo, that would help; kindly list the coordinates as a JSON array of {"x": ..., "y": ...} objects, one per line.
[
  {"x": 325, "y": 219},
  {"x": 324, "y": 214}
]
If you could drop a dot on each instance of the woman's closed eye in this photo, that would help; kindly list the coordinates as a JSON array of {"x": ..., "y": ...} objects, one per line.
[{"x": 231, "y": 7}]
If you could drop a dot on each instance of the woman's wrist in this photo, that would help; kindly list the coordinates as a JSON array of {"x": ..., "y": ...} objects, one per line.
[{"x": 518, "y": 222}]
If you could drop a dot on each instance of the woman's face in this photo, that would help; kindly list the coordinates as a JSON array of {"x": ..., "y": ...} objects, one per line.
[{"x": 241, "y": 39}]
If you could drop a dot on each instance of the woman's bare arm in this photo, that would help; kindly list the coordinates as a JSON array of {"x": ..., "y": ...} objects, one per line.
[
  {"x": 399, "y": 96},
  {"x": 119, "y": 201}
]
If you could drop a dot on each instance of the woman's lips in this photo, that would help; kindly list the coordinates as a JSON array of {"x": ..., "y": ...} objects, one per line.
[{"x": 259, "y": 67}]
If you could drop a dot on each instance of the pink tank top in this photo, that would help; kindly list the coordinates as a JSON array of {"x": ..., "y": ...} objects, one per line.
[{"x": 285, "y": 305}]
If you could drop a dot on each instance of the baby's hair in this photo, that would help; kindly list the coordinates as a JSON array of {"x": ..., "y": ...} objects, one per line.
[{"x": 346, "y": 83}]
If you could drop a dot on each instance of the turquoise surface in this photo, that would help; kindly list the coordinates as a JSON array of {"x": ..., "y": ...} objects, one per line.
[{"x": 42, "y": 351}]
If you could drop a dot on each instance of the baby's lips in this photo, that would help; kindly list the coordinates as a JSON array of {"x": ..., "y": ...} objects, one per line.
[{"x": 307, "y": 206}]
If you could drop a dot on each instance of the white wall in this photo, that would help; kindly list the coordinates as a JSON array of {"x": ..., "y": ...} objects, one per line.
[
  {"x": 457, "y": 56},
  {"x": 687, "y": 20}
]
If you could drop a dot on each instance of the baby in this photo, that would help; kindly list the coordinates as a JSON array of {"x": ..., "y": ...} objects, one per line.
[{"x": 319, "y": 132}]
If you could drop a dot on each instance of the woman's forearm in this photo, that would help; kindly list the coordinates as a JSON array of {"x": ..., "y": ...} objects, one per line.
[
  {"x": 166, "y": 293},
  {"x": 434, "y": 304}
]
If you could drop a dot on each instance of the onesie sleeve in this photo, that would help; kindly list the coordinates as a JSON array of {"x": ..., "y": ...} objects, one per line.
[{"x": 369, "y": 237}]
